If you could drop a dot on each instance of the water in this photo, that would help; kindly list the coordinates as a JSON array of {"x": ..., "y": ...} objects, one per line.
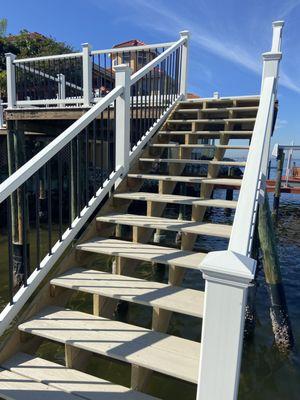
[{"x": 266, "y": 374}]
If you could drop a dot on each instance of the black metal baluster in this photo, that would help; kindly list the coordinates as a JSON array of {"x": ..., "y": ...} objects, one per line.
[
  {"x": 94, "y": 156},
  {"x": 24, "y": 233},
  {"x": 10, "y": 253},
  {"x": 37, "y": 218},
  {"x": 78, "y": 175},
  {"x": 101, "y": 132},
  {"x": 60, "y": 196},
  {"x": 87, "y": 198},
  {"x": 49, "y": 206}
]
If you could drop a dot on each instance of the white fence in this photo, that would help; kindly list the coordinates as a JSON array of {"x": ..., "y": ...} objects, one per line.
[{"x": 75, "y": 79}]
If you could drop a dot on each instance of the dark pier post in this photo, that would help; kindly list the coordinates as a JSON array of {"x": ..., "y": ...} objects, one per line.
[
  {"x": 19, "y": 205},
  {"x": 277, "y": 191},
  {"x": 278, "y": 309}
]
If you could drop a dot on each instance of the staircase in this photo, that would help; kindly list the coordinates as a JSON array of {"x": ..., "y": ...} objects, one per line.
[
  {"x": 99, "y": 333},
  {"x": 151, "y": 190}
]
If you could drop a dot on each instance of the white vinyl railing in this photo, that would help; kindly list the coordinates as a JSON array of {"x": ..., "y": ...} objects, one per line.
[
  {"x": 55, "y": 80},
  {"x": 125, "y": 149},
  {"x": 229, "y": 273}
]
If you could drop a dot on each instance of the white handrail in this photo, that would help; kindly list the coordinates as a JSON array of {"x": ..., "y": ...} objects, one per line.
[
  {"x": 229, "y": 273},
  {"x": 245, "y": 214},
  {"x": 40, "y": 159},
  {"x": 133, "y": 48},
  {"x": 46, "y": 58}
]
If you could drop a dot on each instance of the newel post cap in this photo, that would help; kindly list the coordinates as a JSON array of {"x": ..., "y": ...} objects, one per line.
[
  {"x": 185, "y": 33},
  {"x": 278, "y": 23},
  {"x": 228, "y": 267},
  {"x": 271, "y": 56},
  {"x": 121, "y": 68}
]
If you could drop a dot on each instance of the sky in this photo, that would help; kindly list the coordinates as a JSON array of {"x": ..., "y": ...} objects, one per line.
[{"x": 227, "y": 39}]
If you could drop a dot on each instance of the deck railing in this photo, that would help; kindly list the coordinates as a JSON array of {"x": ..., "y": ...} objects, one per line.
[
  {"x": 229, "y": 273},
  {"x": 51, "y": 197},
  {"x": 76, "y": 79}
]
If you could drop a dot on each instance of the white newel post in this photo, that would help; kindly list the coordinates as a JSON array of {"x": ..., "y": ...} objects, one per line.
[
  {"x": 227, "y": 276},
  {"x": 87, "y": 71},
  {"x": 184, "y": 61},
  {"x": 11, "y": 80},
  {"x": 277, "y": 35},
  {"x": 61, "y": 88},
  {"x": 122, "y": 113}
]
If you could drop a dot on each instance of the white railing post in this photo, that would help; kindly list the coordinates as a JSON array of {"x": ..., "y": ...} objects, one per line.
[
  {"x": 184, "y": 63},
  {"x": 122, "y": 116},
  {"x": 87, "y": 71},
  {"x": 277, "y": 36},
  {"x": 61, "y": 88},
  {"x": 1, "y": 114},
  {"x": 11, "y": 80},
  {"x": 227, "y": 276}
]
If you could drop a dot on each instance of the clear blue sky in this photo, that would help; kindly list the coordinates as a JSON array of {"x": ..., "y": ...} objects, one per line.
[{"x": 227, "y": 39}]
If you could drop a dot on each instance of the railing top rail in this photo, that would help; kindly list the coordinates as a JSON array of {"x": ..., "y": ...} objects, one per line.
[
  {"x": 243, "y": 223},
  {"x": 94, "y": 52},
  {"x": 148, "y": 67},
  {"x": 133, "y": 48},
  {"x": 46, "y": 58},
  {"x": 40, "y": 159}
]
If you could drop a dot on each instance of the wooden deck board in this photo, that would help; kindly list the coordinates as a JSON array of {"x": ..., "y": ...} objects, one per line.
[
  {"x": 191, "y": 161},
  {"x": 144, "y": 252},
  {"x": 177, "y": 199},
  {"x": 189, "y": 179},
  {"x": 175, "y": 225},
  {"x": 69, "y": 380},
  {"x": 17, "y": 387},
  {"x": 154, "y": 294},
  {"x": 163, "y": 353}
]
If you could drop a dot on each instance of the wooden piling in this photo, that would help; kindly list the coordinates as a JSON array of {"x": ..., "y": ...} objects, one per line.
[
  {"x": 19, "y": 205},
  {"x": 277, "y": 191},
  {"x": 278, "y": 310}
]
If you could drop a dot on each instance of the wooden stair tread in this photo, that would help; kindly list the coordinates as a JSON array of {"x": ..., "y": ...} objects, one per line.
[
  {"x": 17, "y": 387},
  {"x": 177, "y": 199},
  {"x": 192, "y": 161},
  {"x": 213, "y": 134},
  {"x": 189, "y": 179},
  {"x": 144, "y": 252},
  {"x": 215, "y": 109},
  {"x": 198, "y": 228},
  {"x": 243, "y": 99},
  {"x": 69, "y": 380},
  {"x": 154, "y": 294},
  {"x": 157, "y": 351},
  {"x": 211, "y": 121},
  {"x": 200, "y": 146}
]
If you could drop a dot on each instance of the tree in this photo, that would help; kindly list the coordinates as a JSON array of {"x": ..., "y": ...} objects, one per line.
[
  {"x": 26, "y": 44},
  {"x": 3, "y": 27}
]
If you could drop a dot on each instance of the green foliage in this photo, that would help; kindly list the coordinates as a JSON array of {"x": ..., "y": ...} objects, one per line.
[
  {"x": 3, "y": 27},
  {"x": 26, "y": 44}
]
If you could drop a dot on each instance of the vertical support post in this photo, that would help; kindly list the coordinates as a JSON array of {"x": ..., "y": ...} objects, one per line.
[
  {"x": 11, "y": 80},
  {"x": 1, "y": 114},
  {"x": 227, "y": 276},
  {"x": 277, "y": 190},
  {"x": 184, "y": 61},
  {"x": 61, "y": 88},
  {"x": 122, "y": 113},
  {"x": 87, "y": 71},
  {"x": 278, "y": 309}
]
